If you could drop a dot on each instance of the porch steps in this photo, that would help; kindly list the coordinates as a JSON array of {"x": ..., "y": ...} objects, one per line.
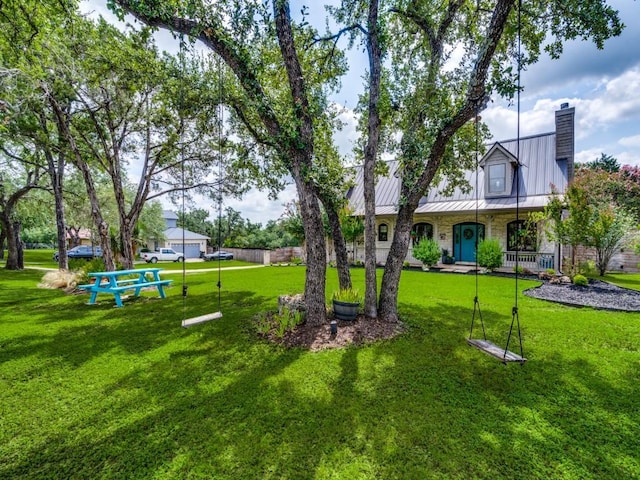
[{"x": 458, "y": 268}]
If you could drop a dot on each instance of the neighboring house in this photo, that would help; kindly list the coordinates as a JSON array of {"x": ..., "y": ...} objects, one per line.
[
  {"x": 194, "y": 243},
  {"x": 547, "y": 161},
  {"x": 81, "y": 236}
]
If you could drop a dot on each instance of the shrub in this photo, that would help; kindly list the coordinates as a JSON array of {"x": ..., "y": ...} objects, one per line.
[
  {"x": 59, "y": 279},
  {"x": 278, "y": 324},
  {"x": 296, "y": 260},
  {"x": 490, "y": 254},
  {"x": 519, "y": 269},
  {"x": 263, "y": 323},
  {"x": 587, "y": 267},
  {"x": 550, "y": 271},
  {"x": 405, "y": 264},
  {"x": 427, "y": 251},
  {"x": 580, "y": 280},
  {"x": 82, "y": 268}
]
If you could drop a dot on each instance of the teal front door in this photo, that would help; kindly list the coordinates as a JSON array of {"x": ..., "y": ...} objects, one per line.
[{"x": 465, "y": 237}]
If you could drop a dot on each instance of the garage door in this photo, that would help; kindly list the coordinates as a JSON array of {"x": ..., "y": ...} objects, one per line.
[{"x": 192, "y": 250}]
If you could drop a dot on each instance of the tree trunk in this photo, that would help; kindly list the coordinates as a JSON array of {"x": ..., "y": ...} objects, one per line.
[
  {"x": 314, "y": 289},
  {"x": 2, "y": 237},
  {"x": 340, "y": 246},
  {"x": 388, "y": 308},
  {"x": 74, "y": 236},
  {"x": 19, "y": 245},
  {"x": 315, "y": 280},
  {"x": 8, "y": 226},
  {"x": 370, "y": 156},
  {"x": 63, "y": 260},
  {"x": 56, "y": 174},
  {"x": 126, "y": 242},
  {"x": 55, "y": 169},
  {"x": 101, "y": 225}
]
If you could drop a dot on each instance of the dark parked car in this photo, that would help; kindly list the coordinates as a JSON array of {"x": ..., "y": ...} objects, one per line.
[
  {"x": 221, "y": 254},
  {"x": 81, "y": 251}
]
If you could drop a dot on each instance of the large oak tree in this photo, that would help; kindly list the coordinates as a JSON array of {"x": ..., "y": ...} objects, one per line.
[{"x": 261, "y": 45}]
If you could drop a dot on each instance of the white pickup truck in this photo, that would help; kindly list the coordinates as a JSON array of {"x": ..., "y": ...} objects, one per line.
[{"x": 164, "y": 254}]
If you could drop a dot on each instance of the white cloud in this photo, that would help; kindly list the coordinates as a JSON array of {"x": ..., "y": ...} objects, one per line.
[
  {"x": 503, "y": 121},
  {"x": 589, "y": 155},
  {"x": 633, "y": 141},
  {"x": 346, "y": 137},
  {"x": 256, "y": 206},
  {"x": 628, "y": 158}
]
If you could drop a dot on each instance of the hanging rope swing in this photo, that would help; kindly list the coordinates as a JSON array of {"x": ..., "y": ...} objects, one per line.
[
  {"x": 188, "y": 322},
  {"x": 482, "y": 344}
]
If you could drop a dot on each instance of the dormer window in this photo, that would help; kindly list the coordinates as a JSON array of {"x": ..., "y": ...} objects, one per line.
[
  {"x": 497, "y": 178},
  {"x": 499, "y": 166}
]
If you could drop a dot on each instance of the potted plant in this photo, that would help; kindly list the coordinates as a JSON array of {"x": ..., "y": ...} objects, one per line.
[
  {"x": 446, "y": 258},
  {"x": 346, "y": 303},
  {"x": 428, "y": 252}
]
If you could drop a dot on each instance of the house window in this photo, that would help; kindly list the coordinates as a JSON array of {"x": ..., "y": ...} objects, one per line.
[
  {"x": 383, "y": 232},
  {"x": 522, "y": 236},
  {"x": 420, "y": 231},
  {"x": 497, "y": 178}
]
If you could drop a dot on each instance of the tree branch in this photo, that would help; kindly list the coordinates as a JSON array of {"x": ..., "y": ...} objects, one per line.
[{"x": 213, "y": 36}]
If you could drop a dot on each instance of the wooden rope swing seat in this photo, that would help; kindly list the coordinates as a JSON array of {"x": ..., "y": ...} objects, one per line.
[
  {"x": 494, "y": 350},
  {"x": 188, "y": 322},
  {"x": 490, "y": 348}
]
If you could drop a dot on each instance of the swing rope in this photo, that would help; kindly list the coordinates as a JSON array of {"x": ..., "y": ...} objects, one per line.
[
  {"x": 220, "y": 123},
  {"x": 483, "y": 344},
  {"x": 515, "y": 317},
  {"x": 187, "y": 322},
  {"x": 476, "y": 302},
  {"x": 181, "y": 102}
]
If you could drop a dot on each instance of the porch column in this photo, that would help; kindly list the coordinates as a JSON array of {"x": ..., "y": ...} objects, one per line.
[{"x": 489, "y": 219}]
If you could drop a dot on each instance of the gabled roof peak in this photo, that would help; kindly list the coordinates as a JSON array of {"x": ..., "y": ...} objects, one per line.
[{"x": 497, "y": 147}]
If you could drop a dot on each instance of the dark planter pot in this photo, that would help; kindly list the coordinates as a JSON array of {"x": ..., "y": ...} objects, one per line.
[
  {"x": 448, "y": 260},
  {"x": 345, "y": 310}
]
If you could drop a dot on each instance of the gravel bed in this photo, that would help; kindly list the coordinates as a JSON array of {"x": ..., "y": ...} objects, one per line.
[{"x": 597, "y": 294}]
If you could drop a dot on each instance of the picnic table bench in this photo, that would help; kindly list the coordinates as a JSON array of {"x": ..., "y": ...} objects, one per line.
[{"x": 114, "y": 284}]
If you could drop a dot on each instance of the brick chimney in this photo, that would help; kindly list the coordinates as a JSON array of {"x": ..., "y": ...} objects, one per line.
[{"x": 565, "y": 137}]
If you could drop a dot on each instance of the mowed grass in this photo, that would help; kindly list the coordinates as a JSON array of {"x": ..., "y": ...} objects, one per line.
[
  {"x": 100, "y": 392},
  {"x": 43, "y": 258}
]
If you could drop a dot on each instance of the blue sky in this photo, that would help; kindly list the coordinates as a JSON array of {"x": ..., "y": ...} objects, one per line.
[{"x": 602, "y": 85}]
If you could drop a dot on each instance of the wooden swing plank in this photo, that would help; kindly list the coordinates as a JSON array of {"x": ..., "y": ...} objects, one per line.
[
  {"x": 495, "y": 351},
  {"x": 202, "y": 318}
]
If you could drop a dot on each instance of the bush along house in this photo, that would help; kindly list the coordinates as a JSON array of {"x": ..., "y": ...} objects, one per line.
[{"x": 547, "y": 162}]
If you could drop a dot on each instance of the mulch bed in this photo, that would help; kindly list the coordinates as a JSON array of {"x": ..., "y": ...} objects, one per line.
[
  {"x": 359, "y": 331},
  {"x": 597, "y": 294}
]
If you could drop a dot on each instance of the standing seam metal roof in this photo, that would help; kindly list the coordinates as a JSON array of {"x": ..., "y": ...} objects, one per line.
[{"x": 540, "y": 171}]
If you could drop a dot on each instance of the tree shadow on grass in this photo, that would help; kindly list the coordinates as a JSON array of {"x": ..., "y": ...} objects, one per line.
[
  {"x": 552, "y": 415},
  {"x": 80, "y": 333},
  {"x": 422, "y": 405}
]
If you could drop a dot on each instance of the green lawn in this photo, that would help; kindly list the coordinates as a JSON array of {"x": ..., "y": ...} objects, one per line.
[
  {"x": 100, "y": 392},
  {"x": 44, "y": 259}
]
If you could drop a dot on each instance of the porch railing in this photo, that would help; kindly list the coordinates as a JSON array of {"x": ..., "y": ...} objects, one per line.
[{"x": 534, "y": 261}]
